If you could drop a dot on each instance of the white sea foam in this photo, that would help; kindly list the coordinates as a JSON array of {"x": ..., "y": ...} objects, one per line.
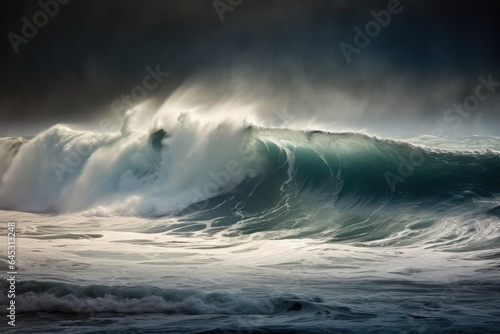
[{"x": 67, "y": 170}]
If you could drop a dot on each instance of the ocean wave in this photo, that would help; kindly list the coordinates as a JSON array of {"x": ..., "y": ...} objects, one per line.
[
  {"x": 245, "y": 179},
  {"x": 53, "y": 297}
]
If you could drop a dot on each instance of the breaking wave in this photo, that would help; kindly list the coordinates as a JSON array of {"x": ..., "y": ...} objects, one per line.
[{"x": 242, "y": 178}]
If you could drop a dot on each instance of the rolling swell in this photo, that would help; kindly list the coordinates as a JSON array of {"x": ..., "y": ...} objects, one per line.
[{"x": 71, "y": 307}]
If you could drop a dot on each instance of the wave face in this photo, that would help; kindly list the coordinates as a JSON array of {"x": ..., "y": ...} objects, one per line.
[{"x": 243, "y": 179}]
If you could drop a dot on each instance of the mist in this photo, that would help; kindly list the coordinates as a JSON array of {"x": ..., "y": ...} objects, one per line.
[{"x": 271, "y": 55}]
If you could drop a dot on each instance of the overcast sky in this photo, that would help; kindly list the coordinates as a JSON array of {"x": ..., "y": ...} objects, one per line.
[{"x": 426, "y": 59}]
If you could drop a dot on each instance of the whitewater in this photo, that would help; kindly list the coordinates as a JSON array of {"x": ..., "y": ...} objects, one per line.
[{"x": 205, "y": 224}]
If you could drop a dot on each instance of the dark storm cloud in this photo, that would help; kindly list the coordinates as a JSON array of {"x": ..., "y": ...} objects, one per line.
[{"x": 91, "y": 52}]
